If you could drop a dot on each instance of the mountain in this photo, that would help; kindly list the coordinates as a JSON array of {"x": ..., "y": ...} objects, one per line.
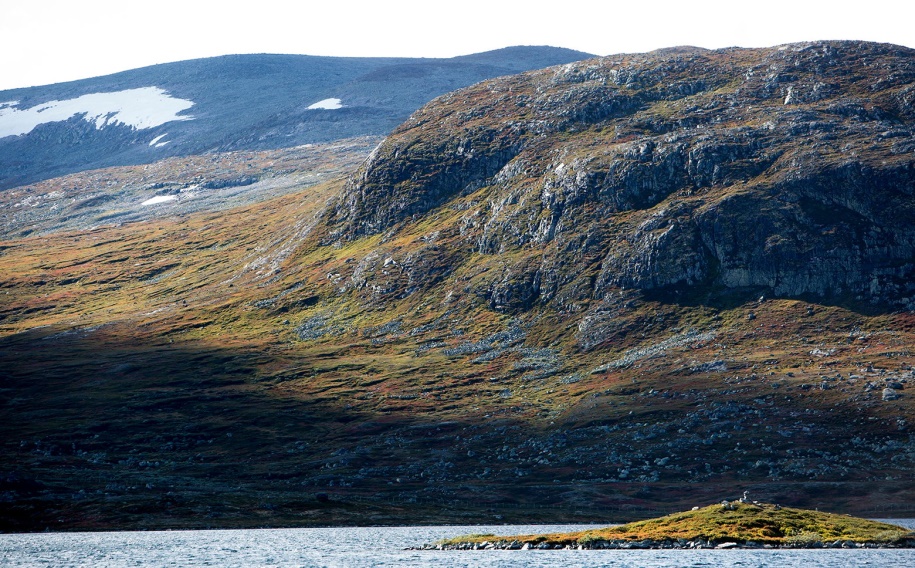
[
  {"x": 589, "y": 292},
  {"x": 236, "y": 102},
  {"x": 788, "y": 171}
]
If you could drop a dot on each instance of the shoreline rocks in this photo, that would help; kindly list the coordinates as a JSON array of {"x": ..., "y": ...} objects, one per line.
[
  {"x": 649, "y": 544},
  {"x": 737, "y": 524}
]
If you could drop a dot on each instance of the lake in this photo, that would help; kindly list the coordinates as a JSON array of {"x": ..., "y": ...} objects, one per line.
[{"x": 384, "y": 546}]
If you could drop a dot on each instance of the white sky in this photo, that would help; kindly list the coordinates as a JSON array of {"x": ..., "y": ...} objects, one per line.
[{"x": 49, "y": 41}]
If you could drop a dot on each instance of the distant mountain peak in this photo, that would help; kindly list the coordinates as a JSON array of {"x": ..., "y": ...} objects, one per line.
[{"x": 241, "y": 102}]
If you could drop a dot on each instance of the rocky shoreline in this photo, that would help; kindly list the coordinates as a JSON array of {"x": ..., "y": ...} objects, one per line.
[
  {"x": 730, "y": 524},
  {"x": 650, "y": 544}
]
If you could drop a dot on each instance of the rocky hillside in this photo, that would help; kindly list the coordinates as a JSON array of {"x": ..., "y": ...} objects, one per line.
[
  {"x": 788, "y": 171},
  {"x": 589, "y": 293},
  {"x": 230, "y": 103},
  {"x": 173, "y": 186}
]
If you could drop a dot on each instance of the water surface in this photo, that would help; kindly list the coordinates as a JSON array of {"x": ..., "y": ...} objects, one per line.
[{"x": 384, "y": 546}]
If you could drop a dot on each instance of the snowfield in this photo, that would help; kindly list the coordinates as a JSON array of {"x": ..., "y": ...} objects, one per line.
[
  {"x": 146, "y": 107},
  {"x": 156, "y": 141},
  {"x": 326, "y": 104},
  {"x": 159, "y": 199}
]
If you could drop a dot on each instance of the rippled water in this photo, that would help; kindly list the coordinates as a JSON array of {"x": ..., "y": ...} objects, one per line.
[{"x": 383, "y": 546}]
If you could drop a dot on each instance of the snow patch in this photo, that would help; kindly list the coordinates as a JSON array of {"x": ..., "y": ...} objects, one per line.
[
  {"x": 327, "y": 104},
  {"x": 155, "y": 141},
  {"x": 159, "y": 199},
  {"x": 146, "y": 107}
]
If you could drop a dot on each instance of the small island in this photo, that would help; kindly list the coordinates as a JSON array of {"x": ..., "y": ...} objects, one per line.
[{"x": 735, "y": 524}]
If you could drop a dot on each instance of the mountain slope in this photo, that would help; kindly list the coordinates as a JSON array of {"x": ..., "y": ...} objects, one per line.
[
  {"x": 463, "y": 329},
  {"x": 173, "y": 186},
  {"x": 787, "y": 171},
  {"x": 237, "y": 102}
]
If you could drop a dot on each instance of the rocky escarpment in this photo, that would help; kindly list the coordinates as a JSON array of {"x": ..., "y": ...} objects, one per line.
[{"x": 786, "y": 171}]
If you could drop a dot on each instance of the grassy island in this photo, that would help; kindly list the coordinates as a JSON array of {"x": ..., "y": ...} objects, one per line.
[{"x": 725, "y": 525}]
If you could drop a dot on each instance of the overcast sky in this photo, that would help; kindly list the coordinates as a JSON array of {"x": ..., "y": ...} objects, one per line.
[{"x": 50, "y": 41}]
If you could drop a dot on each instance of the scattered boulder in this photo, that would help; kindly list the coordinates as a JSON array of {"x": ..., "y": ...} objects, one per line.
[{"x": 891, "y": 394}]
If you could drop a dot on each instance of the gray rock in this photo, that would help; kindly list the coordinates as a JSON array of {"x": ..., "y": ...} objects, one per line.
[{"x": 891, "y": 394}]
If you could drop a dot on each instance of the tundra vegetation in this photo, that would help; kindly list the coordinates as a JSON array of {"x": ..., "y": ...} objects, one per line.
[
  {"x": 599, "y": 291},
  {"x": 725, "y": 525}
]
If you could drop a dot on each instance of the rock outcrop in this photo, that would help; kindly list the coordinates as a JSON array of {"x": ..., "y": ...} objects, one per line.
[{"x": 789, "y": 170}]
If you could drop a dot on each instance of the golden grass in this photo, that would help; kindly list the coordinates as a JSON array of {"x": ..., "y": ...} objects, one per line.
[{"x": 738, "y": 522}]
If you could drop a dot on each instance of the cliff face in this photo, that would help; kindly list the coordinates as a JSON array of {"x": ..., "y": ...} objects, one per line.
[{"x": 787, "y": 170}]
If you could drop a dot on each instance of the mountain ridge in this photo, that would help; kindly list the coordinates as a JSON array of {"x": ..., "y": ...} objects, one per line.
[
  {"x": 247, "y": 102},
  {"x": 688, "y": 146}
]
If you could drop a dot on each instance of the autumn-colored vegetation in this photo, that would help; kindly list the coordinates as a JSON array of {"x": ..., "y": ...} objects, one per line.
[
  {"x": 735, "y": 522},
  {"x": 285, "y": 362}
]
